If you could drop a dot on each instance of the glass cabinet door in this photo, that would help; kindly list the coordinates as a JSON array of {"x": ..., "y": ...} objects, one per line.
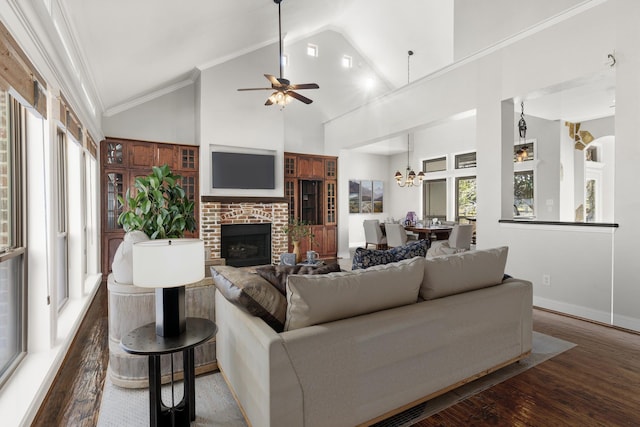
[
  {"x": 330, "y": 200},
  {"x": 115, "y": 154},
  {"x": 115, "y": 188},
  {"x": 311, "y": 201}
]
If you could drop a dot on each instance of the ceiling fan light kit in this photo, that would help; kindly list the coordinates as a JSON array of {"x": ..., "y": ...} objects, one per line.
[{"x": 283, "y": 89}]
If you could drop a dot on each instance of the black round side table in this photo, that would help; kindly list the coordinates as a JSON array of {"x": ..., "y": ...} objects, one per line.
[{"x": 145, "y": 341}]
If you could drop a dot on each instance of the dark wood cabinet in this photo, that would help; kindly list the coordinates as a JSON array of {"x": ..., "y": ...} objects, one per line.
[
  {"x": 122, "y": 161},
  {"x": 310, "y": 187},
  {"x": 310, "y": 167}
]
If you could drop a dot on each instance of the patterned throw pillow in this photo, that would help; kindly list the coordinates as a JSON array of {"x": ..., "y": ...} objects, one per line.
[
  {"x": 365, "y": 258},
  {"x": 277, "y": 274}
]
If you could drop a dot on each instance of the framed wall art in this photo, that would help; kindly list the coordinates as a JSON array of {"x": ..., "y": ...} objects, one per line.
[{"x": 366, "y": 196}]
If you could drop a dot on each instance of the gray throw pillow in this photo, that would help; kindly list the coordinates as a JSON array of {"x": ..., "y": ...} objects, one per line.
[
  {"x": 277, "y": 274},
  {"x": 251, "y": 293}
]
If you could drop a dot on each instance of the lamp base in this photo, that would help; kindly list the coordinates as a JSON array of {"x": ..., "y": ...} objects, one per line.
[{"x": 170, "y": 311}]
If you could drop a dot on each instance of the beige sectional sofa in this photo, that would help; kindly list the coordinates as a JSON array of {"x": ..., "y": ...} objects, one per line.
[{"x": 361, "y": 345}]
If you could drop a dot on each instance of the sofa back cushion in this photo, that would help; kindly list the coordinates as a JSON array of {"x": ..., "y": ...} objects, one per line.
[
  {"x": 466, "y": 271},
  {"x": 251, "y": 293},
  {"x": 312, "y": 300}
]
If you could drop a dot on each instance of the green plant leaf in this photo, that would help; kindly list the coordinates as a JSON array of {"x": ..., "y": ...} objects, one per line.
[{"x": 159, "y": 207}]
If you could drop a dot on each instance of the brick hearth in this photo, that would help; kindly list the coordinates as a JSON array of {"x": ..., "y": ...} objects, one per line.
[{"x": 215, "y": 213}]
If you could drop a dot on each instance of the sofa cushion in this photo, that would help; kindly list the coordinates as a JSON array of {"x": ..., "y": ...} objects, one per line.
[
  {"x": 251, "y": 293},
  {"x": 312, "y": 300},
  {"x": 365, "y": 258},
  {"x": 466, "y": 271},
  {"x": 277, "y": 274}
]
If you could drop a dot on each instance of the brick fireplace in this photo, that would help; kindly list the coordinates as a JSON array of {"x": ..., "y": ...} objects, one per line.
[{"x": 218, "y": 211}]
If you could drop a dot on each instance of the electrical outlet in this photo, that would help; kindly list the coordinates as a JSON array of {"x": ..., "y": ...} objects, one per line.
[{"x": 546, "y": 280}]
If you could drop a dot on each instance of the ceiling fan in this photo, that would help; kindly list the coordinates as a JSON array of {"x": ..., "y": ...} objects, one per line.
[{"x": 284, "y": 90}]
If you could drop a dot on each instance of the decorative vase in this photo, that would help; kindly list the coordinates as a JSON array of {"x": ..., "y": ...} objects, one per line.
[
  {"x": 122, "y": 266},
  {"x": 296, "y": 251}
]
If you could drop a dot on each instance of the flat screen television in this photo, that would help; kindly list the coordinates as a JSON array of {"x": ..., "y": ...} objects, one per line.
[{"x": 242, "y": 170}]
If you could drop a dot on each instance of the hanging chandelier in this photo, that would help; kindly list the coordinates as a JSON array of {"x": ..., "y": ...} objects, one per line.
[{"x": 409, "y": 179}]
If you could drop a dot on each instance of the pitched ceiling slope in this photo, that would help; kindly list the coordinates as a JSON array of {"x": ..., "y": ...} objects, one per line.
[{"x": 135, "y": 49}]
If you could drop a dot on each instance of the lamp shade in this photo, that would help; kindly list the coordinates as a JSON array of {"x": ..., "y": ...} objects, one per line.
[{"x": 167, "y": 263}]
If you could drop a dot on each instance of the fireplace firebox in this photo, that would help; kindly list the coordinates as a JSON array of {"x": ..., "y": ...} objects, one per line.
[{"x": 246, "y": 244}]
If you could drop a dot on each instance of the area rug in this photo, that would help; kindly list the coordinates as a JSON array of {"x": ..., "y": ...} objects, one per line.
[{"x": 215, "y": 405}]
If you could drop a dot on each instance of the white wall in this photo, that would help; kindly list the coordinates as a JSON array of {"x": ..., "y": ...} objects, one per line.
[
  {"x": 480, "y": 24},
  {"x": 358, "y": 166},
  {"x": 626, "y": 292},
  {"x": 522, "y": 66},
  {"x": 227, "y": 117},
  {"x": 546, "y": 134},
  {"x": 572, "y": 180},
  {"x": 169, "y": 118},
  {"x": 446, "y": 138},
  {"x": 239, "y": 119},
  {"x": 341, "y": 89}
]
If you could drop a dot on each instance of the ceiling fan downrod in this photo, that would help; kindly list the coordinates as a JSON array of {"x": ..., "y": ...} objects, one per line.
[{"x": 279, "y": 34}]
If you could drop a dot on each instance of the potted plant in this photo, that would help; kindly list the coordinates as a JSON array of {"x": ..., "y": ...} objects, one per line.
[
  {"x": 159, "y": 209},
  {"x": 298, "y": 229}
]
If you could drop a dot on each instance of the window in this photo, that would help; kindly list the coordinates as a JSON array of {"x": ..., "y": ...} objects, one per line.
[
  {"x": 284, "y": 60},
  {"x": 435, "y": 165},
  {"x": 435, "y": 198},
  {"x": 523, "y": 185},
  {"x": 466, "y": 160},
  {"x": 465, "y": 197},
  {"x": 62, "y": 238},
  {"x": 12, "y": 252},
  {"x": 347, "y": 61},
  {"x": 591, "y": 154},
  {"x": 524, "y": 152},
  {"x": 312, "y": 50}
]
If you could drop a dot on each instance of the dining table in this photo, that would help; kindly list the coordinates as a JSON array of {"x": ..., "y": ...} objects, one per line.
[{"x": 441, "y": 232}]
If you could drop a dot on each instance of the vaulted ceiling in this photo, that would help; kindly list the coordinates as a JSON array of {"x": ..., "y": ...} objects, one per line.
[{"x": 132, "y": 49}]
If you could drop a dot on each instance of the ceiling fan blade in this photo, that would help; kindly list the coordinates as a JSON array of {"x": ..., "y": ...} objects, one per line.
[
  {"x": 272, "y": 79},
  {"x": 299, "y": 97},
  {"x": 256, "y": 88},
  {"x": 268, "y": 101},
  {"x": 304, "y": 86}
]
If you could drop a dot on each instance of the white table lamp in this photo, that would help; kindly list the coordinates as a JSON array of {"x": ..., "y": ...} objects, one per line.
[{"x": 168, "y": 265}]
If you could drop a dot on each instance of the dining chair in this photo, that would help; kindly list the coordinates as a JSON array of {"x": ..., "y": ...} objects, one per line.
[
  {"x": 373, "y": 234},
  {"x": 460, "y": 237},
  {"x": 459, "y": 241},
  {"x": 396, "y": 235}
]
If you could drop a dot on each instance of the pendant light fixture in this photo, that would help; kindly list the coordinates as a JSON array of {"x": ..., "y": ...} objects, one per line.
[
  {"x": 410, "y": 179},
  {"x": 522, "y": 153}
]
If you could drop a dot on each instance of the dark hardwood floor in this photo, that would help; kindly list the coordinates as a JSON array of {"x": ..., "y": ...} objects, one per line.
[{"x": 596, "y": 383}]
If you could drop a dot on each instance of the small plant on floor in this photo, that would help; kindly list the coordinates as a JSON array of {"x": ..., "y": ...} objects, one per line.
[{"x": 160, "y": 207}]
